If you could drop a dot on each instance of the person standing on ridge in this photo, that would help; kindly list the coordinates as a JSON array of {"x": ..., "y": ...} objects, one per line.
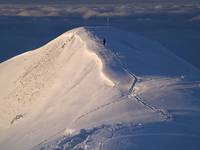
[{"x": 104, "y": 41}]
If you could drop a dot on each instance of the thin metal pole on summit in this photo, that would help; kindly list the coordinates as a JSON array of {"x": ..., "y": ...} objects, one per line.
[{"x": 108, "y": 22}]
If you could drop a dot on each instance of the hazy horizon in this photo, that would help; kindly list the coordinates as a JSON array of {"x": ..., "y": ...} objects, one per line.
[{"x": 91, "y": 2}]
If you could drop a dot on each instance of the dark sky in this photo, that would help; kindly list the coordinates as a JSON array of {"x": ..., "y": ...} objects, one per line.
[{"x": 87, "y": 1}]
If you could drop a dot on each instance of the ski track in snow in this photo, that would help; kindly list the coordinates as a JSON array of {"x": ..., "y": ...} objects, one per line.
[
  {"x": 167, "y": 116},
  {"x": 163, "y": 113},
  {"x": 98, "y": 108},
  {"x": 131, "y": 96}
]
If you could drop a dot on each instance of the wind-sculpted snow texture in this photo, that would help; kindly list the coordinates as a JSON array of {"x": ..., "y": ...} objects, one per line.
[{"x": 76, "y": 93}]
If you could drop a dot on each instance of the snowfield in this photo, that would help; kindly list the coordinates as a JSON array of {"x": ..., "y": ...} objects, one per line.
[{"x": 76, "y": 93}]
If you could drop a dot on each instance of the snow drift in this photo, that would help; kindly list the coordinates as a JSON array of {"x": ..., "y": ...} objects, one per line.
[{"x": 76, "y": 93}]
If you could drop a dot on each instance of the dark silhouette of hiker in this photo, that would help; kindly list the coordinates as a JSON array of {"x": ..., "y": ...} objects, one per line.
[{"x": 104, "y": 41}]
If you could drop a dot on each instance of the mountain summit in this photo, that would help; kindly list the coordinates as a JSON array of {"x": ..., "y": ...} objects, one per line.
[{"x": 99, "y": 88}]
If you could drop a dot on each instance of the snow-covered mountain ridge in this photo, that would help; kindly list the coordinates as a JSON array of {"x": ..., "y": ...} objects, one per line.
[{"x": 75, "y": 82}]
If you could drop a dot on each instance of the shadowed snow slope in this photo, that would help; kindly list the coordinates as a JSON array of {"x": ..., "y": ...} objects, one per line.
[{"x": 131, "y": 93}]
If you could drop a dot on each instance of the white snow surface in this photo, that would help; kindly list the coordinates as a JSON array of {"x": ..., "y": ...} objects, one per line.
[{"x": 76, "y": 93}]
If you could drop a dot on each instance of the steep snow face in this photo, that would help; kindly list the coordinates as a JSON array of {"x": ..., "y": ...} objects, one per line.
[
  {"x": 59, "y": 82},
  {"x": 26, "y": 78},
  {"x": 37, "y": 71},
  {"x": 76, "y": 82}
]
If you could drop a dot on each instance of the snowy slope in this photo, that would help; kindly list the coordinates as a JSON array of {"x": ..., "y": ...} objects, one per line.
[{"x": 74, "y": 93}]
